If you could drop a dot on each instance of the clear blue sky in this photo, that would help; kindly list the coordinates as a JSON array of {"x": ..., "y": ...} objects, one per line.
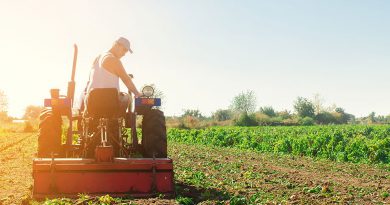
[{"x": 203, "y": 53}]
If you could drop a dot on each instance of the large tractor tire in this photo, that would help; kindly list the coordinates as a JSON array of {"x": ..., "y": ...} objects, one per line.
[
  {"x": 49, "y": 137},
  {"x": 154, "y": 134}
]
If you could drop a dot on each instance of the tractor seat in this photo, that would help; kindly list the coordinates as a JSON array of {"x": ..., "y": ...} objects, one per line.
[{"x": 102, "y": 103}]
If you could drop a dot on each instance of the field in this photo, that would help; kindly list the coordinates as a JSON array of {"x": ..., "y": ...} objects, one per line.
[
  {"x": 264, "y": 165},
  {"x": 352, "y": 143}
]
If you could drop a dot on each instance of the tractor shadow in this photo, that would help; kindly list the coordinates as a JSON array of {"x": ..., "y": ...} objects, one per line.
[{"x": 200, "y": 194}]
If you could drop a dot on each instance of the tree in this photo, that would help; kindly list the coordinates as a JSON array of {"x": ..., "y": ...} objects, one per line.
[
  {"x": 3, "y": 106},
  {"x": 339, "y": 110},
  {"x": 371, "y": 117},
  {"x": 192, "y": 113},
  {"x": 387, "y": 119},
  {"x": 3, "y": 102},
  {"x": 222, "y": 115},
  {"x": 268, "y": 110},
  {"x": 318, "y": 103},
  {"x": 245, "y": 102},
  {"x": 304, "y": 107},
  {"x": 32, "y": 112},
  {"x": 342, "y": 117}
]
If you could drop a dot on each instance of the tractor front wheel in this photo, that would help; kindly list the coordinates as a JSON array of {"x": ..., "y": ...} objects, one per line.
[
  {"x": 154, "y": 134},
  {"x": 49, "y": 137}
]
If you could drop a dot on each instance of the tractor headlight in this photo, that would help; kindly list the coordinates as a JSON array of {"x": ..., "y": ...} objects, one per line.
[{"x": 148, "y": 91}]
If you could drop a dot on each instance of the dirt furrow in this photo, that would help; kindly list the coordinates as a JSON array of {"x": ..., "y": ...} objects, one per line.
[
  {"x": 16, "y": 139},
  {"x": 16, "y": 169}
]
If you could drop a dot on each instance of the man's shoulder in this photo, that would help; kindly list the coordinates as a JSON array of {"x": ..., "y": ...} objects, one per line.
[
  {"x": 112, "y": 64},
  {"x": 110, "y": 58},
  {"x": 108, "y": 55}
]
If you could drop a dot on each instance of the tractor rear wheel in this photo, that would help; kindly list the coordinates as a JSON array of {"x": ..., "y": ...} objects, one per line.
[
  {"x": 154, "y": 134},
  {"x": 49, "y": 137}
]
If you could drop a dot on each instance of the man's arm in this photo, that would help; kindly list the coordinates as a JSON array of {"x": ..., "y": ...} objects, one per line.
[{"x": 115, "y": 66}]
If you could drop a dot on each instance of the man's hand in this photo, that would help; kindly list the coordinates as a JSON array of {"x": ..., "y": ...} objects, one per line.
[{"x": 137, "y": 94}]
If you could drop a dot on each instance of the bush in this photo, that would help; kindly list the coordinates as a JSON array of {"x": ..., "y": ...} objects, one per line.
[
  {"x": 263, "y": 119},
  {"x": 191, "y": 122},
  {"x": 4, "y": 117},
  {"x": 268, "y": 111},
  {"x": 222, "y": 115},
  {"x": 28, "y": 127},
  {"x": 246, "y": 120},
  {"x": 174, "y": 122},
  {"x": 325, "y": 118},
  {"x": 284, "y": 114},
  {"x": 306, "y": 121}
]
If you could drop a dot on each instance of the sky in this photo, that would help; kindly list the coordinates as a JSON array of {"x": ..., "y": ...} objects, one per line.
[{"x": 201, "y": 54}]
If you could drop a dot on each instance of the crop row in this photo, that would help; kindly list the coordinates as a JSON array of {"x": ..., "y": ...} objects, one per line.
[{"x": 354, "y": 143}]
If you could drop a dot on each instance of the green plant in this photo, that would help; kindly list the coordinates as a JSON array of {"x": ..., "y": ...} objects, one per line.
[
  {"x": 354, "y": 143},
  {"x": 59, "y": 201},
  {"x": 385, "y": 194},
  {"x": 184, "y": 200},
  {"x": 106, "y": 200},
  {"x": 238, "y": 200}
]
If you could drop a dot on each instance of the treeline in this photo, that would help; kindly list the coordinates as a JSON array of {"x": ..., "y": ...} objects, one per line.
[{"x": 243, "y": 111}]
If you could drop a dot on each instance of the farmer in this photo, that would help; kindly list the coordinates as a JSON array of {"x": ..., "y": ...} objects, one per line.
[{"x": 106, "y": 71}]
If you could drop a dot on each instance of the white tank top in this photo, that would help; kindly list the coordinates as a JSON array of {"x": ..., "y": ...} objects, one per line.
[{"x": 99, "y": 77}]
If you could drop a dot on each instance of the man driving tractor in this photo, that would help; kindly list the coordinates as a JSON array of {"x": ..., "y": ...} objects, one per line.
[
  {"x": 106, "y": 71},
  {"x": 99, "y": 157}
]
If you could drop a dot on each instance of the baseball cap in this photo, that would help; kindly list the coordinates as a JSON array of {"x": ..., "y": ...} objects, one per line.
[{"x": 124, "y": 42}]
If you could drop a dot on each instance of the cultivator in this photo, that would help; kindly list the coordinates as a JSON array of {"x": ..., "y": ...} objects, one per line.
[
  {"x": 101, "y": 161},
  {"x": 68, "y": 177}
]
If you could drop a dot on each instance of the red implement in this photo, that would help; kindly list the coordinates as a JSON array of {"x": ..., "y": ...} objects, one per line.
[{"x": 135, "y": 177}]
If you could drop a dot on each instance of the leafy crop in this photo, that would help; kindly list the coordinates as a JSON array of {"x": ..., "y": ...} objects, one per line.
[{"x": 353, "y": 143}]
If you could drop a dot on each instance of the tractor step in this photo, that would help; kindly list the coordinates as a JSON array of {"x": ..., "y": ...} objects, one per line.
[{"x": 123, "y": 177}]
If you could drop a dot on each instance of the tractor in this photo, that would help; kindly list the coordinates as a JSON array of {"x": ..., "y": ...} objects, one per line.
[{"x": 94, "y": 154}]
